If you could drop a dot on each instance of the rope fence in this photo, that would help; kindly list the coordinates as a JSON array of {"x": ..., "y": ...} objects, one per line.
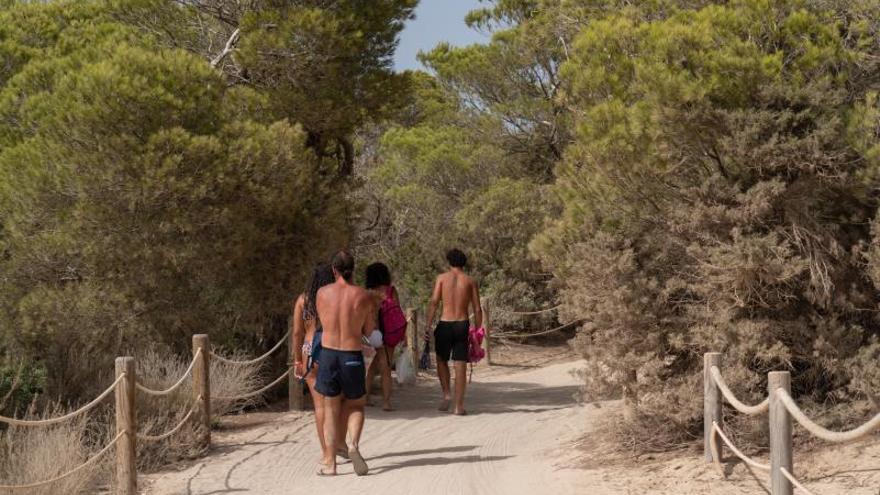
[
  {"x": 73, "y": 471},
  {"x": 781, "y": 409},
  {"x": 255, "y": 360},
  {"x": 746, "y": 459},
  {"x": 84, "y": 409},
  {"x": 257, "y": 392},
  {"x": 124, "y": 387},
  {"x": 822, "y": 432},
  {"x": 171, "y": 389},
  {"x": 761, "y": 408},
  {"x": 163, "y": 436}
]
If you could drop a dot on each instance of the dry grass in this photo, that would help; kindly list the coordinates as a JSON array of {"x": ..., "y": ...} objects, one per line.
[
  {"x": 156, "y": 415},
  {"x": 29, "y": 455}
]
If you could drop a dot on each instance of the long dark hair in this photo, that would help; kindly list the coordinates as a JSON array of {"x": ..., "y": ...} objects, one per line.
[
  {"x": 322, "y": 275},
  {"x": 377, "y": 275}
]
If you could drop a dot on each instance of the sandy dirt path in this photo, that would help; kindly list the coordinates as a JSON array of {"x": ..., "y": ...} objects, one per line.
[
  {"x": 506, "y": 445},
  {"x": 524, "y": 435}
]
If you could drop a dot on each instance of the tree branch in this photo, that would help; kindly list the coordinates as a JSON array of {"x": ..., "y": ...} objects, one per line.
[{"x": 229, "y": 48}]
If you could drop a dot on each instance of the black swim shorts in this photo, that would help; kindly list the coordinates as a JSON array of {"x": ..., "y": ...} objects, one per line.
[
  {"x": 451, "y": 338},
  {"x": 341, "y": 372}
]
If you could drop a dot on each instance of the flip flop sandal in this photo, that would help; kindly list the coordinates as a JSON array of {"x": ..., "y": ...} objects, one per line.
[
  {"x": 460, "y": 413},
  {"x": 358, "y": 462},
  {"x": 444, "y": 406}
]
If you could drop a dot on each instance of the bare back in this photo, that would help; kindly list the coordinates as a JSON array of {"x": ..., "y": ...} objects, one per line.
[
  {"x": 458, "y": 292},
  {"x": 346, "y": 315}
]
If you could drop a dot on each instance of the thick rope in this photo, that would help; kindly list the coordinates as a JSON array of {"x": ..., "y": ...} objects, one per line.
[
  {"x": 257, "y": 392},
  {"x": 748, "y": 460},
  {"x": 91, "y": 460},
  {"x": 728, "y": 394},
  {"x": 821, "y": 432},
  {"x": 174, "y": 387},
  {"x": 60, "y": 419},
  {"x": 536, "y": 334},
  {"x": 529, "y": 313},
  {"x": 794, "y": 481},
  {"x": 163, "y": 436},
  {"x": 255, "y": 360}
]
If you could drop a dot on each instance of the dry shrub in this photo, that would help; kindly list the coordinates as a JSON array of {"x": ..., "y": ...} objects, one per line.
[
  {"x": 34, "y": 454},
  {"x": 156, "y": 415}
]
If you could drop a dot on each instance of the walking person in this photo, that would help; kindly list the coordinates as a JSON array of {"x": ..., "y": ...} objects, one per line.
[
  {"x": 306, "y": 334},
  {"x": 392, "y": 323},
  {"x": 457, "y": 293},
  {"x": 347, "y": 314}
]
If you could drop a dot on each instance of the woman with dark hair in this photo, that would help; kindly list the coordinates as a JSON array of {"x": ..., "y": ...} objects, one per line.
[
  {"x": 306, "y": 334},
  {"x": 392, "y": 323}
]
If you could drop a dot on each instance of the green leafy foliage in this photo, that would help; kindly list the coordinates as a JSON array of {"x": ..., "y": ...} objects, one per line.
[
  {"x": 141, "y": 203},
  {"x": 717, "y": 198}
]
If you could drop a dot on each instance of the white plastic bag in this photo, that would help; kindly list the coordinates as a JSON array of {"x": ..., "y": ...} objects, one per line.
[{"x": 406, "y": 374}]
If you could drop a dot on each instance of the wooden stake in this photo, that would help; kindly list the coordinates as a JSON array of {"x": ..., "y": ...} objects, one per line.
[
  {"x": 712, "y": 405},
  {"x": 415, "y": 340},
  {"x": 780, "y": 434},
  {"x": 295, "y": 398},
  {"x": 201, "y": 376},
  {"x": 126, "y": 417}
]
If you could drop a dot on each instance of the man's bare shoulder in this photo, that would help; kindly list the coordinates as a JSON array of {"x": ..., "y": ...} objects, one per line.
[{"x": 324, "y": 292}]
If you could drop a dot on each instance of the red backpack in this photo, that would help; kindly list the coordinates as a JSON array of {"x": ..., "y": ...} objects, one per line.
[{"x": 392, "y": 319}]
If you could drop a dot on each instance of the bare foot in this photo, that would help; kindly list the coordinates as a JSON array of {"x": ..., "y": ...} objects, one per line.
[
  {"x": 444, "y": 406},
  {"x": 325, "y": 471},
  {"x": 387, "y": 407},
  {"x": 460, "y": 412}
]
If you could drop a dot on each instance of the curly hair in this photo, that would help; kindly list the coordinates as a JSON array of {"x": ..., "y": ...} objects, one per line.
[{"x": 456, "y": 258}]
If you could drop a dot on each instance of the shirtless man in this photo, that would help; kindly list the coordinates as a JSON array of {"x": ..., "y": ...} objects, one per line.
[
  {"x": 458, "y": 292},
  {"x": 347, "y": 314}
]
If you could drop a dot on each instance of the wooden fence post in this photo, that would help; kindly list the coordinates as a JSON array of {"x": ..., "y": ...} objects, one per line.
[
  {"x": 201, "y": 376},
  {"x": 126, "y": 416},
  {"x": 415, "y": 339},
  {"x": 712, "y": 404},
  {"x": 780, "y": 434},
  {"x": 295, "y": 398},
  {"x": 488, "y": 338}
]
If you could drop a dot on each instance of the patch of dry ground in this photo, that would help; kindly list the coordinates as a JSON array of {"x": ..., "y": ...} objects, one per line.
[{"x": 523, "y": 436}]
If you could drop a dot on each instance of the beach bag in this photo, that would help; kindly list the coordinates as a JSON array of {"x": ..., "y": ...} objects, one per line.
[
  {"x": 406, "y": 374},
  {"x": 392, "y": 320},
  {"x": 475, "y": 348}
]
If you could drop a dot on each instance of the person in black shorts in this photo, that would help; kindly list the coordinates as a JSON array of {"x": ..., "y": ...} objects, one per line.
[
  {"x": 459, "y": 295},
  {"x": 341, "y": 372},
  {"x": 347, "y": 315},
  {"x": 451, "y": 340}
]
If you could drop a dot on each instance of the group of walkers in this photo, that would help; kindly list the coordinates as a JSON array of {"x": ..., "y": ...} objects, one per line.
[{"x": 336, "y": 323}]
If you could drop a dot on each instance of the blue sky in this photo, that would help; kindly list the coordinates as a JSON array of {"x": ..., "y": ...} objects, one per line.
[{"x": 436, "y": 21}]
